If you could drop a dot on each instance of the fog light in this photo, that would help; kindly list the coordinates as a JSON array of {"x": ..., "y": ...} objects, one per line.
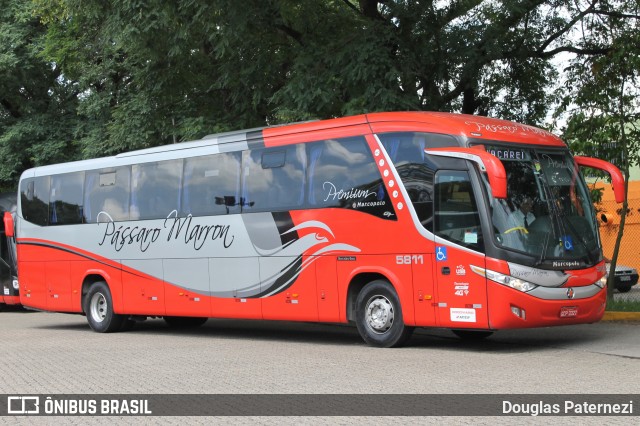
[{"x": 520, "y": 313}]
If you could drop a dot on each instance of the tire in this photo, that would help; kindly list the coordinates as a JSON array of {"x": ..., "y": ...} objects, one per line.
[
  {"x": 379, "y": 316},
  {"x": 2, "y": 306},
  {"x": 98, "y": 306},
  {"x": 623, "y": 288},
  {"x": 472, "y": 335},
  {"x": 185, "y": 322}
]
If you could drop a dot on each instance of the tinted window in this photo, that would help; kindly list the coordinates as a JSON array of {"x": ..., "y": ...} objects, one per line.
[
  {"x": 457, "y": 217},
  {"x": 107, "y": 195},
  {"x": 34, "y": 195},
  {"x": 273, "y": 159},
  {"x": 274, "y": 178},
  {"x": 212, "y": 185},
  {"x": 155, "y": 189},
  {"x": 416, "y": 168},
  {"x": 66, "y": 199},
  {"x": 342, "y": 173}
]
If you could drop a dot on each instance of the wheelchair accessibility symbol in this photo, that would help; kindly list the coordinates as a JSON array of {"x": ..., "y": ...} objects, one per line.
[
  {"x": 441, "y": 253},
  {"x": 567, "y": 242}
]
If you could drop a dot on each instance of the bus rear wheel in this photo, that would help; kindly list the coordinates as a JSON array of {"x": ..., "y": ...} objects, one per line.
[
  {"x": 98, "y": 306},
  {"x": 379, "y": 316}
]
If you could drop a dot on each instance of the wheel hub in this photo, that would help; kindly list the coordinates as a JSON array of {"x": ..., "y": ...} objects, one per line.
[
  {"x": 98, "y": 307},
  {"x": 379, "y": 314}
]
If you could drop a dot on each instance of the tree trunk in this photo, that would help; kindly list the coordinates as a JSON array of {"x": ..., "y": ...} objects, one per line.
[{"x": 625, "y": 203}]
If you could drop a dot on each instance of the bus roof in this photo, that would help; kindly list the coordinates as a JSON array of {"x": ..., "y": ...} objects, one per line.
[
  {"x": 466, "y": 126},
  {"x": 473, "y": 126}
]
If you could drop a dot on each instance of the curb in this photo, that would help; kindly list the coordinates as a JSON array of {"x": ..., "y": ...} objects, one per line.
[{"x": 621, "y": 316}]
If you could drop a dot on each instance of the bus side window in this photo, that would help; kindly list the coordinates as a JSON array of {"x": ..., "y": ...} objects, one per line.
[
  {"x": 456, "y": 214},
  {"x": 34, "y": 195},
  {"x": 66, "y": 199},
  {"x": 341, "y": 172},
  {"x": 406, "y": 151},
  {"x": 107, "y": 195},
  {"x": 155, "y": 189},
  {"x": 274, "y": 178},
  {"x": 211, "y": 185}
]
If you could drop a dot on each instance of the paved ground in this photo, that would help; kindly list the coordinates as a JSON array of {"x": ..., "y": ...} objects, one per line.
[{"x": 58, "y": 354}]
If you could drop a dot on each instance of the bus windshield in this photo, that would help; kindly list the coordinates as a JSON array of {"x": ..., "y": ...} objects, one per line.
[{"x": 547, "y": 212}]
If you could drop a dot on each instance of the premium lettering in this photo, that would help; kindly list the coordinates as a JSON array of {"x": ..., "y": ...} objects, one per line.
[{"x": 335, "y": 194}]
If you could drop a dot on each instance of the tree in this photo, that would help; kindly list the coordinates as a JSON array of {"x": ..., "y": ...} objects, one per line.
[
  {"x": 602, "y": 102},
  {"x": 146, "y": 73},
  {"x": 37, "y": 108}
]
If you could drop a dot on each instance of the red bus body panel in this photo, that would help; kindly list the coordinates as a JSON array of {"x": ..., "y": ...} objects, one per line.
[{"x": 343, "y": 247}]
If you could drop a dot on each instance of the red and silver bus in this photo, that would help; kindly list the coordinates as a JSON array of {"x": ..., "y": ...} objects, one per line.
[
  {"x": 388, "y": 220},
  {"x": 8, "y": 263}
]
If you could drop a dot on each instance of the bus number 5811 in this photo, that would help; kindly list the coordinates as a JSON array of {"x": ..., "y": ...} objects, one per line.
[{"x": 408, "y": 259}]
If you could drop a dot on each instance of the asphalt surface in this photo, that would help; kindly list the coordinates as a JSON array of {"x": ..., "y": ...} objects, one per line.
[{"x": 48, "y": 353}]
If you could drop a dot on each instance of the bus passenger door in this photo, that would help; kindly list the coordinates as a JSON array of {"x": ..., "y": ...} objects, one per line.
[{"x": 461, "y": 296}]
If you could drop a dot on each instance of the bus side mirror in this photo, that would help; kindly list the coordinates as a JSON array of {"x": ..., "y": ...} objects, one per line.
[
  {"x": 617, "y": 181},
  {"x": 8, "y": 225}
]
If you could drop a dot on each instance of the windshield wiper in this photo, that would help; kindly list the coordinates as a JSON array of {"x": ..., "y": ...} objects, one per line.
[{"x": 545, "y": 246}]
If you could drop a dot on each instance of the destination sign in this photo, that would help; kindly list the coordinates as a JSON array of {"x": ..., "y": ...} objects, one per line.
[{"x": 507, "y": 154}]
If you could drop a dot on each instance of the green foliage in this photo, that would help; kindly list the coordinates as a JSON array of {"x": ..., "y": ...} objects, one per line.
[
  {"x": 602, "y": 92},
  {"x": 602, "y": 95},
  {"x": 596, "y": 195},
  {"x": 86, "y": 78},
  {"x": 37, "y": 108},
  {"x": 623, "y": 305}
]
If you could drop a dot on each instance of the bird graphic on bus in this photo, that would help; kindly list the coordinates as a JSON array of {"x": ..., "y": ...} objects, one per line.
[{"x": 287, "y": 259}]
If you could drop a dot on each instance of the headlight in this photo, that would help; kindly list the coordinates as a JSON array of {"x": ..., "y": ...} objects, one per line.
[
  {"x": 507, "y": 280},
  {"x": 602, "y": 282}
]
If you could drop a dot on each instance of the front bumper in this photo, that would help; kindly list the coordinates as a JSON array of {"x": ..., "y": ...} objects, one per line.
[{"x": 538, "y": 312}]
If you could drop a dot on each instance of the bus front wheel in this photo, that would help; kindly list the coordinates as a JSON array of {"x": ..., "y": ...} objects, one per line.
[
  {"x": 98, "y": 306},
  {"x": 379, "y": 316}
]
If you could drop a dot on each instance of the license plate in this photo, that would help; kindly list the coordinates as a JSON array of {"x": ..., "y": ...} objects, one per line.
[
  {"x": 625, "y": 278},
  {"x": 568, "y": 311}
]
